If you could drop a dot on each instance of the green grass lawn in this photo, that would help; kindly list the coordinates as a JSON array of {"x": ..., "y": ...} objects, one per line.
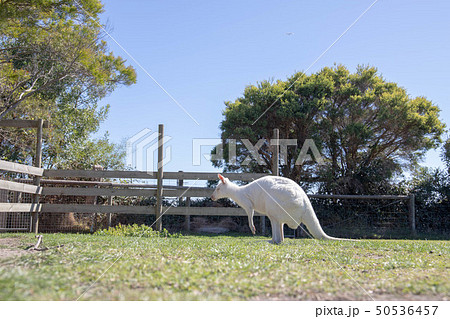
[{"x": 222, "y": 268}]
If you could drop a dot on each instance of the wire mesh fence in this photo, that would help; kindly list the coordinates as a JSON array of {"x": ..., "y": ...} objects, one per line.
[
  {"x": 363, "y": 218},
  {"x": 71, "y": 221},
  {"x": 14, "y": 221},
  {"x": 353, "y": 218}
]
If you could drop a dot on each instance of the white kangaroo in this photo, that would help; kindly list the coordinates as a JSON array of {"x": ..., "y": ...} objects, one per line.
[{"x": 279, "y": 198}]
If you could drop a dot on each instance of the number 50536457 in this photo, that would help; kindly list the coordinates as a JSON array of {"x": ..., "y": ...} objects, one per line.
[{"x": 403, "y": 310}]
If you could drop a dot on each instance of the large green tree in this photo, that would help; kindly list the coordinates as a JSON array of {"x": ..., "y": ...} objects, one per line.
[
  {"x": 55, "y": 65},
  {"x": 366, "y": 128}
]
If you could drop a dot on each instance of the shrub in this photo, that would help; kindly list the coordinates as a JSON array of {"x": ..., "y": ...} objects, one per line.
[{"x": 135, "y": 231}]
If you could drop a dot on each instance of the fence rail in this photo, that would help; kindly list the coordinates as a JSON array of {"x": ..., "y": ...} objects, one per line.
[
  {"x": 19, "y": 187},
  {"x": 20, "y": 168},
  {"x": 23, "y": 123},
  {"x": 245, "y": 177},
  {"x": 20, "y": 208},
  {"x": 122, "y": 209}
]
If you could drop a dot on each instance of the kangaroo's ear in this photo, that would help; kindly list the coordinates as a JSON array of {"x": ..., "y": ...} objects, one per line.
[{"x": 222, "y": 178}]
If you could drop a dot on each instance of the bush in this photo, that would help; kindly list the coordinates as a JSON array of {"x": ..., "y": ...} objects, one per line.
[
  {"x": 135, "y": 231},
  {"x": 432, "y": 190}
]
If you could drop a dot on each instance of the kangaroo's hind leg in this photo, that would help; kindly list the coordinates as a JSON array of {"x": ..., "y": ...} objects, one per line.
[{"x": 277, "y": 231}]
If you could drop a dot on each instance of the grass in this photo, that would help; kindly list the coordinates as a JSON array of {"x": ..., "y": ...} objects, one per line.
[{"x": 224, "y": 268}]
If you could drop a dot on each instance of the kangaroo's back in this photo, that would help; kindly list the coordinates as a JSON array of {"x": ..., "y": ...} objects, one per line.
[
  {"x": 274, "y": 192},
  {"x": 278, "y": 187}
]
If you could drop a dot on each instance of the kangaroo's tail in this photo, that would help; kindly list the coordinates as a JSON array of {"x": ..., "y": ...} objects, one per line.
[{"x": 312, "y": 223}]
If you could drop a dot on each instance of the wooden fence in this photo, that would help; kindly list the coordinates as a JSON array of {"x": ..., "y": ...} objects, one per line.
[
  {"x": 109, "y": 189},
  {"x": 96, "y": 187}
]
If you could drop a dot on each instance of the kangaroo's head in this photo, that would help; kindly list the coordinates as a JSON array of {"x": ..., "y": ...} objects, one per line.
[{"x": 221, "y": 190}]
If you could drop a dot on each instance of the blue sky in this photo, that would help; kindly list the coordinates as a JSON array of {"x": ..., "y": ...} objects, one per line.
[{"x": 206, "y": 52}]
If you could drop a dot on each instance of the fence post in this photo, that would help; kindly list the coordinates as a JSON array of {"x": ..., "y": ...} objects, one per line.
[
  {"x": 108, "y": 215},
  {"x": 37, "y": 179},
  {"x": 187, "y": 218},
  {"x": 159, "y": 190},
  {"x": 276, "y": 153},
  {"x": 109, "y": 201},
  {"x": 93, "y": 199},
  {"x": 412, "y": 213}
]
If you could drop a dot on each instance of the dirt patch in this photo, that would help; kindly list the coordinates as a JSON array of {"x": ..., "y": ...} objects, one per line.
[
  {"x": 12, "y": 247},
  {"x": 227, "y": 224},
  {"x": 213, "y": 229}
]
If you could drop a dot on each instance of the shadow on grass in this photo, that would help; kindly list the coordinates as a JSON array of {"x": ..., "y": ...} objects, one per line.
[
  {"x": 226, "y": 234},
  {"x": 340, "y": 234}
]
